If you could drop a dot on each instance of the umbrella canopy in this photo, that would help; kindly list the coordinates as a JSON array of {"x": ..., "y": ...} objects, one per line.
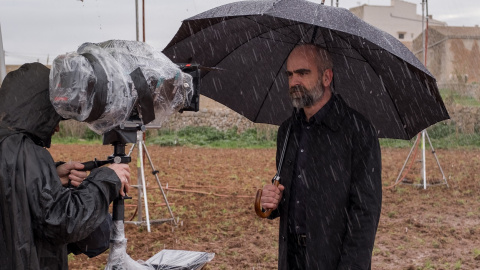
[{"x": 251, "y": 40}]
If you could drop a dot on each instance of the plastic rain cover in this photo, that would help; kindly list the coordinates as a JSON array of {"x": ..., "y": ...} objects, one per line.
[
  {"x": 93, "y": 84},
  {"x": 90, "y": 86},
  {"x": 171, "y": 89}
]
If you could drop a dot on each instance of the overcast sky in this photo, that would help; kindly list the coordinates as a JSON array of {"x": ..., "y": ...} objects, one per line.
[{"x": 41, "y": 29}]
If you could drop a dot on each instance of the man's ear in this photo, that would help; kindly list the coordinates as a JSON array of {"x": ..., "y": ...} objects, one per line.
[{"x": 327, "y": 77}]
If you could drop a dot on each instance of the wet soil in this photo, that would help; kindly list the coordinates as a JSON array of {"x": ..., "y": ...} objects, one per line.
[{"x": 211, "y": 193}]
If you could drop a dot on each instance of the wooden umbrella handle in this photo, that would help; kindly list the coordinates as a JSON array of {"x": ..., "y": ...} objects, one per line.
[{"x": 258, "y": 206}]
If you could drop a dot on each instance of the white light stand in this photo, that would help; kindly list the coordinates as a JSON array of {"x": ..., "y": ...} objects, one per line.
[
  {"x": 423, "y": 135},
  {"x": 142, "y": 189}
]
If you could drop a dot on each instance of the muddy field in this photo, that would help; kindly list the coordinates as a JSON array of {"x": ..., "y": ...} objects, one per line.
[{"x": 211, "y": 192}]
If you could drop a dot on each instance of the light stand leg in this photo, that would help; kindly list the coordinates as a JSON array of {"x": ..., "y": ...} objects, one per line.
[
  {"x": 142, "y": 173},
  {"x": 423, "y": 172},
  {"x": 406, "y": 160},
  {"x": 155, "y": 172},
  {"x": 436, "y": 158},
  {"x": 142, "y": 189}
]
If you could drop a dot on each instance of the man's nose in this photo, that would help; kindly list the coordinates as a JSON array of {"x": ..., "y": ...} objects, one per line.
[{"x": 294, "y": 80}]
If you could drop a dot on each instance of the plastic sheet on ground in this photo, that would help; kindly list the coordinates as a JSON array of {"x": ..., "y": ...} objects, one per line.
[
  {"x": 166, "y": 259},
  {"x": 118, "y": 259},
  {"x": 180, "y": 260}
]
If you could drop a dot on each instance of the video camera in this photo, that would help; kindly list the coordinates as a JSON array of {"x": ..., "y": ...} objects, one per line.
[{"x": 118, "y": 87}]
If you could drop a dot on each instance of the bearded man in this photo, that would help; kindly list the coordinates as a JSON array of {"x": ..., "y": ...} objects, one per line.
[{"x": 330, "y": 198}]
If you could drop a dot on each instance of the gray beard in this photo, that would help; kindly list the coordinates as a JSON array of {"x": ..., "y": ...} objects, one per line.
[{"x": 309, "y": 97}]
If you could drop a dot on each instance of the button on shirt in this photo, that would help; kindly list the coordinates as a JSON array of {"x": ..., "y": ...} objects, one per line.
[{"x": 299, "y": 188}]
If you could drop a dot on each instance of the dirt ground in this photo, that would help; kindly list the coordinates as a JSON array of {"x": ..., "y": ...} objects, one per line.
[{"x": 211, "y": 193}]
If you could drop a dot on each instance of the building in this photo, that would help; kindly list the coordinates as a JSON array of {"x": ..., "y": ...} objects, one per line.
[
  {"x": 400, "y": 19},
  {"x": 453, "y": 53}
]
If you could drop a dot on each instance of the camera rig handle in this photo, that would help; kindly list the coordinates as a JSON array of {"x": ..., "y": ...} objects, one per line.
[
  {"x": 118, "y": 212},
  {"x": 93, "y": 164}
]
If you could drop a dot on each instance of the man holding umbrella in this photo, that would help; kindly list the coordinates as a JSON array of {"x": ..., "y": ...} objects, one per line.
[
  {"x": 331, "y": 175},
  {"x": 329, "y": 201}
]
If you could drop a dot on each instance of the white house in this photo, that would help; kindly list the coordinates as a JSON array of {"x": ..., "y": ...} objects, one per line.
[{"x": 400, "y": 19}]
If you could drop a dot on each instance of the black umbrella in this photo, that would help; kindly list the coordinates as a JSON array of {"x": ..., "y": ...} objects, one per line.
[{"x": 251, "y": 40}]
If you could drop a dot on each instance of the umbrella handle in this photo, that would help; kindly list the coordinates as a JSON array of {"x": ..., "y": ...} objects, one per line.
[{"x": 258, "y": 208}]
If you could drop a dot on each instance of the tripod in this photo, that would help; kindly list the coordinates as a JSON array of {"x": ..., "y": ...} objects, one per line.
[
  {"x": 142, "y": 190},
  {"x": 423, "y": 135}
]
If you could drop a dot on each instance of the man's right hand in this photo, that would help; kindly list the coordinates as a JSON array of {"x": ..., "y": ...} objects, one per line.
[
  {"x": 123, "y": 172},
  {"x": 271, "y": 196}
]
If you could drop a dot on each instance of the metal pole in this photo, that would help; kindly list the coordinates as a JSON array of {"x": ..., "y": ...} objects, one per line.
[
  {"x": 136, "y": 20},
  {"x": 3, "y": 69},
  {"x": 143, "y": 18},
  {"x": 142, "y": 173},
  {"x": 424, "y": 163},
  {"x": 426, "y": 31},
  {"x": 423, "y": 28}
]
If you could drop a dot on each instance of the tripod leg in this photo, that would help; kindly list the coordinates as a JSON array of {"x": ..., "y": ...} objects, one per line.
[
  {"x": 159, "y": 184},
  {"x": 140, "y": 160},
  {"x": 436, "y": 158},
  {"x": 406, "y": 160}
]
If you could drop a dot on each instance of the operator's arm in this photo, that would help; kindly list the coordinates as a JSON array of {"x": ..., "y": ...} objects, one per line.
[
  {"x": 365, "y": 201},
  {"x": 60, "y": 214}
]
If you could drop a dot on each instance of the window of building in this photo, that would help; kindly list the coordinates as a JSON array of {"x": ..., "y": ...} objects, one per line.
[{"x": 401, "y": 35}]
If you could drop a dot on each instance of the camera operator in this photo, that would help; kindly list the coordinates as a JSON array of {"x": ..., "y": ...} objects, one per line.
[{"x": 39, "y": 215}]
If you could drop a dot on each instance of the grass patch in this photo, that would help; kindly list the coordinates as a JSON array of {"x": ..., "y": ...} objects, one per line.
[
  {"x": 456, "y": 97},
  {"x": 74, "y": 140},
  {"x": 211, "y": 137},
  {"x": 442, "y": 135}
]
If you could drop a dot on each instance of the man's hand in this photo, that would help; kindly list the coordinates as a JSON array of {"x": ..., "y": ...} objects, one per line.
[
  {"x": 271, "y": 196},
  {"x": 69, "y": 175},
  {"x": 123, "y": 172}
]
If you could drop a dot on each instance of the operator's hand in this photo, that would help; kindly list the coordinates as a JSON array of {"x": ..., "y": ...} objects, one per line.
[
  {"x": 271, "y": 196},
  {"x": 123, "y": 172},
  {"x": 69, "y": 175}
]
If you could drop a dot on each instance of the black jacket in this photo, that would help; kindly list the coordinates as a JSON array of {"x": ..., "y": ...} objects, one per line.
[
  {"x": 344, "y": 190},
  {"x": 38, "y": 216}
]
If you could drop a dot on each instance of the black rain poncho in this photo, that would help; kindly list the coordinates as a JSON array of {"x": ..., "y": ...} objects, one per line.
[{"x": 38, "y": 216}]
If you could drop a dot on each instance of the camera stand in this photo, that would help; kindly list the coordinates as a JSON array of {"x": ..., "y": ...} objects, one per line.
[
  {"x": 142, "y": 190},
  {"x": 401, "y": 179}
]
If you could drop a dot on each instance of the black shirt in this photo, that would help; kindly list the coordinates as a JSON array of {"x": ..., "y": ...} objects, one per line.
[{"x": 299, "y": 189}]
